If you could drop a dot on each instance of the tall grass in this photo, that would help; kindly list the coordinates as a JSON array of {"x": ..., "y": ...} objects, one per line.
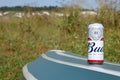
[{"x": 23, "y": 40}]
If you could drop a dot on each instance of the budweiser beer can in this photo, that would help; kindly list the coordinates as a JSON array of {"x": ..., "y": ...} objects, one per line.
[{"x": 95, "y": 43}]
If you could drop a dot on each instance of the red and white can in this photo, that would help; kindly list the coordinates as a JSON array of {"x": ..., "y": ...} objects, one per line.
[{"x": 95, "y": 43}]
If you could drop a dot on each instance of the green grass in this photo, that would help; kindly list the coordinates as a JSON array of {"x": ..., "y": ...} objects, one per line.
[{"x": 23, "y": 40}]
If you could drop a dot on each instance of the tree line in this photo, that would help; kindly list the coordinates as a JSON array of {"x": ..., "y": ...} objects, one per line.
[{"x": 24, "y": 8}]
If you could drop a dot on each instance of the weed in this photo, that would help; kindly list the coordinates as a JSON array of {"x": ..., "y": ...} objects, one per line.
[{"x": 23, "y": 40}]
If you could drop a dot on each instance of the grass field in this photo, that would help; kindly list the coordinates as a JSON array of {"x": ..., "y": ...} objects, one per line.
[{"x": 23, "y": 40}]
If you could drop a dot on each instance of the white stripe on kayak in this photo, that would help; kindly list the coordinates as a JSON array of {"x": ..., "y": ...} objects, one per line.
[
  {"x": 67, "y": 55},
  {"x": 98, "y": 69},
  {"x": 62, "y": 53},
  {"x": 27, "y": 74}
]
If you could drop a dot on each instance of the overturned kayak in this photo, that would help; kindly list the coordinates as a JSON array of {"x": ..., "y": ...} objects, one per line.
[{"x": 61, "y": 65}]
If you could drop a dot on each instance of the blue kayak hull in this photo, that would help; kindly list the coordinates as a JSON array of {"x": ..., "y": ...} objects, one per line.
[{"x": 61, "y": 65}]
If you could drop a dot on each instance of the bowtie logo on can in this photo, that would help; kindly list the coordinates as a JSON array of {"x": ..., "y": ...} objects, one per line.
[{"x": 95, "y": 43}]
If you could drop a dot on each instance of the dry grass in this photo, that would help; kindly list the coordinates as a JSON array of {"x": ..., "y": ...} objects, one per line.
[{"x": 23, "y": 40}]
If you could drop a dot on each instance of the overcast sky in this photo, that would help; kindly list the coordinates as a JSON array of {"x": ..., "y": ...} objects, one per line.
[{"x": 90, "y": 3}]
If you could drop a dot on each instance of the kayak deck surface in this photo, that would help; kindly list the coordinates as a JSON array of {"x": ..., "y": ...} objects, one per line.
[{"x": 61, "y": 65}]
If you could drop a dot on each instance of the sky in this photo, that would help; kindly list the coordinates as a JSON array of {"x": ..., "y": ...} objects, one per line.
[{"x": 41, "y": 3}]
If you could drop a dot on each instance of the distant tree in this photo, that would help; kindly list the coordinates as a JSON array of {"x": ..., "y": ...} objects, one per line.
[{"x": 28, "y": 8}]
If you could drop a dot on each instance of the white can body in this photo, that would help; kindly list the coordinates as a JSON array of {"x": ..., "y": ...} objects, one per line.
[{"x": 95, "y": 43}]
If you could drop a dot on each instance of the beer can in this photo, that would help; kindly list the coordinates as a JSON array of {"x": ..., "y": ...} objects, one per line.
[{"x": 95, "y": 43}]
